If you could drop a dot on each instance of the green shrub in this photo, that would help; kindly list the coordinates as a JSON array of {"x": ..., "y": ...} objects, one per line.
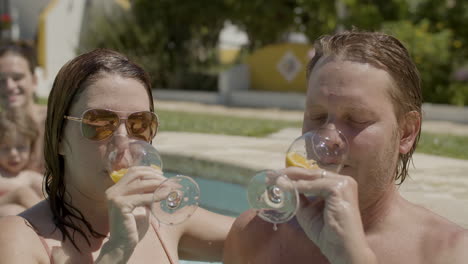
[
  {"x": 460, "y": 93},
  {"x": 173, "y": 43},
  {"x": 431, "y": 52}
]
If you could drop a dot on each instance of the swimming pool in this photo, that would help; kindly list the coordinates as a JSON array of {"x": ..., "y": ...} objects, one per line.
[{"x": 220, "y": 197}]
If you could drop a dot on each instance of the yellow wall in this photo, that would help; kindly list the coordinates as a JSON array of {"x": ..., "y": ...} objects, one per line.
[
  {"x": 125, "y": 4},
  {"x": 264, "y": 74},
  {"x": 41, "y": 32},
  {"x": 227, "y": 56}
]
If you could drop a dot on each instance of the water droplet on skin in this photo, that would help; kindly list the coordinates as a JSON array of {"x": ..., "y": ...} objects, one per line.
[{"x": 275, "y": 227}]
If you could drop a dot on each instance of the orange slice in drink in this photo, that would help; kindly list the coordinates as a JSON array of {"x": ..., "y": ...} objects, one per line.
[
  {"x": 294, "y": 159},
  {"x": 118, "y": 174}
]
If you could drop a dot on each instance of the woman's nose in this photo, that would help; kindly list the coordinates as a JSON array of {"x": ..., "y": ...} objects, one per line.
[
  {"x": 121, "y": 137},
  {"x": 119, "y": 152}
]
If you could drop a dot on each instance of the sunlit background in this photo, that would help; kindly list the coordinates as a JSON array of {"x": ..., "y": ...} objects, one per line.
[{"x": 200, "y": 45}]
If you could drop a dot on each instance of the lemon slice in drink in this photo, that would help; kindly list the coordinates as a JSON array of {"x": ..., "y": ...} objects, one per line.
[
  {"x": 118, "y": 174},
  {"x": 294, "y": 159}
]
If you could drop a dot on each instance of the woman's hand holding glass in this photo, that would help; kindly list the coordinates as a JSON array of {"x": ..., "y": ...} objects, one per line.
[
  {"x": 173, "y": 200},
  {"x": 136, "y": 169}
]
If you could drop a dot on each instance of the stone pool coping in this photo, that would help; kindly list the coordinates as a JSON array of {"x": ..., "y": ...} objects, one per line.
[{"x": 438, "y": 183}]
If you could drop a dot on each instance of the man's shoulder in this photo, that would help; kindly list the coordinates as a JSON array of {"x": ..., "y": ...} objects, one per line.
[
  {"x": 443, "y": 240},
  {"x": 452, "y": 247},
  {"x": 245, "y": 233},
  {"x": 244, "y": 225}
]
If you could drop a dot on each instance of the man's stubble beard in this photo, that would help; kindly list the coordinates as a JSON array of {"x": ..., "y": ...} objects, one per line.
[{"x": 381, "y": 176}]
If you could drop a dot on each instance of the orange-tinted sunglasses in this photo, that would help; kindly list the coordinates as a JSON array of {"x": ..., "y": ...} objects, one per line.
[{"x": 100, "y": 124}]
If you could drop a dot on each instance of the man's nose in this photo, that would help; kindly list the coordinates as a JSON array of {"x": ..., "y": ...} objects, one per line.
[
  {"x": 330, "y": 144},
  {"x": 333, "y": 123},
  {"x": 330, "y": 125}
]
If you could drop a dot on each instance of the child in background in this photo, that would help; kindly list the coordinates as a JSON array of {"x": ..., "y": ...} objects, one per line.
[{"x": 20, "y": 187}]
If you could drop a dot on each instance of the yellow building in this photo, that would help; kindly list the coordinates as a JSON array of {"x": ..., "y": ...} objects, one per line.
[{"x": 280, "y": 67}]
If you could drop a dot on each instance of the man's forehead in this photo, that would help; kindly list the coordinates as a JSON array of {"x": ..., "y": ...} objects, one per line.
[{"x": 335, "y": 80}]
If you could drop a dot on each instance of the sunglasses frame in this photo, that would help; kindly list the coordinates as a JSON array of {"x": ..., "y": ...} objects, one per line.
[{"x": 80, "y": 119}]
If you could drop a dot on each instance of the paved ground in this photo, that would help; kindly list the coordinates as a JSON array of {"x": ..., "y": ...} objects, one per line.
[
  {"x": 291, "y": 115},
  {"x": 438, "y": 183}
]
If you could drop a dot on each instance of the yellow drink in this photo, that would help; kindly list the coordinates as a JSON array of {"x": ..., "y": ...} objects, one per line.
[
  {"x": 117, "y": 175},
  {"x": 294, "y": 159}
]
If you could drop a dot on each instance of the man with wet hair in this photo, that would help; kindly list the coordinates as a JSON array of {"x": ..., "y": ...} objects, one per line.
[{"x": 365, "y": 85}]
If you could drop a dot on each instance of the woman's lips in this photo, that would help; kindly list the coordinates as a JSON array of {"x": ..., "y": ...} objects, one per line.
[
  {"x": 13, "y": 163},
  {"x": 14, "y": 97}
]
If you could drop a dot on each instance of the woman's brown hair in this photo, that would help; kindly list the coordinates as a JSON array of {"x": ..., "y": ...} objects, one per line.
[{"x": 71, "y": 80}]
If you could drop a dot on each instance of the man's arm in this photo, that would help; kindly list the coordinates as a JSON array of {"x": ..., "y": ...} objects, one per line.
[
  {"x": 237, "y": 246},
  {"x": 204, "y": 235}
]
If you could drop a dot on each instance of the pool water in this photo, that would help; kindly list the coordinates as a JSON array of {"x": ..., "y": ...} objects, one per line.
[{"x": 220, "y": 197}]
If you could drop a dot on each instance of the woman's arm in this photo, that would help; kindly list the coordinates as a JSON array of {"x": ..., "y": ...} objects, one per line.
[{"x": 204, "y": 235}]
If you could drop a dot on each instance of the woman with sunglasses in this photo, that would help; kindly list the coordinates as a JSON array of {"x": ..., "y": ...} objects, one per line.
[{"x": 102, "y": 98}]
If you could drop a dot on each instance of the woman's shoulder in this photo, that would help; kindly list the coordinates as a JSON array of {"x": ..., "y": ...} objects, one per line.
[
  {"x": 15, "y": 225},
  {"x": 18, "y": 236}
]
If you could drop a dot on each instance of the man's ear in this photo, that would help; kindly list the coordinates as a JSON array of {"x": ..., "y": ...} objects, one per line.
[{"x": 409, "y": 130}]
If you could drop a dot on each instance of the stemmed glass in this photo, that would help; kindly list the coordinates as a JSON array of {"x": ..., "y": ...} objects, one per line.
[
  {"x": 273, "y": 195},
  {"x": 174, "y": 200}
]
